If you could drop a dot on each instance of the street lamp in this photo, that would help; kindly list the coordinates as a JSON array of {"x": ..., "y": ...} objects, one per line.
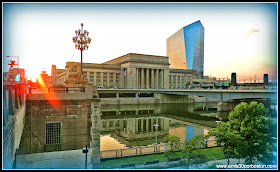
[
  {"x": 156, "y": 126},
  {"x": 81, "y": 41},
  {"x": 218, "y": 123},
  {"x": 85, "y": 150}
]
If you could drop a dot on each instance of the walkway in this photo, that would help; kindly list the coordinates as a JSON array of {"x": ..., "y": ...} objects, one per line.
[{"x": 203, "y": 166}]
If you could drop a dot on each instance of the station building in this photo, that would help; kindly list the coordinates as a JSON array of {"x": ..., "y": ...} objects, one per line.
[{"x": 132, "y": 70}]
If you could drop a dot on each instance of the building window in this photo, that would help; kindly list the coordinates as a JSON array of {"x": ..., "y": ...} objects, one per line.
[{"x": 53, "y": 137}]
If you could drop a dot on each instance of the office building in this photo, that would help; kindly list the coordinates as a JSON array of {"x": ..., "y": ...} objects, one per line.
[{"x": 185, "y": 49}]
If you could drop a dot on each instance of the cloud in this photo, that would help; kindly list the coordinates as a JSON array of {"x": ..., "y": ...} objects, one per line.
[{"x": 252, "y": 31}]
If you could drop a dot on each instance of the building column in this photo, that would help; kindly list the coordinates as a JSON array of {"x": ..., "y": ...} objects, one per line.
[
  {"x": 122, "y": 79},
  {"x": 166, "y": 78},
  {"x": 142, "y": 77},
  {"x": 157, "y": 79},
  {"x": 136, "y": 125},
  {"x": 94, "y": 78},
  {"x": 161, "y": 76},
  {"x": 176, "y": 79},
  {"x": 152, "y": 79},
  {"x": 162, "y": 123},
  {"x": 88, "y": 76},
  {"x": 180, "y": 81},
  {"x": 101, "y": 79},
  {"x": 152, "y": 125},
  {"x": 117, "y": 95},
  {"x": 135, "y": 78},
  {"x": 172, "y": 82},
  {"x": 114, "y": 78},
  {"x": 147, "y": 78},
  {"x": 137, "y": 84},
  {"x": 108, "y": 79},
  {"x": 142, "y": 124},
  {"x": 147, "y": 124}
]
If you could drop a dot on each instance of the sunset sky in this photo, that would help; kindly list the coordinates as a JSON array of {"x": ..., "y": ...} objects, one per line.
[{"x": 239, "y": 37}]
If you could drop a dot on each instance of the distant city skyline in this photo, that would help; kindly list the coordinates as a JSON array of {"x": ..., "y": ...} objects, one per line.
[{"x": 239, "y": 37}]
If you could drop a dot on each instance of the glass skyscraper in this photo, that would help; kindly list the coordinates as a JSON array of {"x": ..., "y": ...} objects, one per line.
[{"x": 185, "y": 48}]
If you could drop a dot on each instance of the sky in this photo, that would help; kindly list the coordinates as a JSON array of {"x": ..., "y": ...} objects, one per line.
[{"x": 239, "y": 37}]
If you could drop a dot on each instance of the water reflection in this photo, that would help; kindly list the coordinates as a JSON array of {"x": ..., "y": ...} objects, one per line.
[
  {"x": 123, "y": 126},
  {"x": 132, "y": 125}
]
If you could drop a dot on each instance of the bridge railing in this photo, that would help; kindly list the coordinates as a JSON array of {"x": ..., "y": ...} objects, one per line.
[{"x": 60, "y": 89}]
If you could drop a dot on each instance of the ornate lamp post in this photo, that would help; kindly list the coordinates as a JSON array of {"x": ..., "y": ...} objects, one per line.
[{"x": 81, "y": 41}]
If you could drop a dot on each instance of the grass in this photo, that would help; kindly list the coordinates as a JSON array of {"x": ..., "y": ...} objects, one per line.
[{"x": 210, "y": 153}]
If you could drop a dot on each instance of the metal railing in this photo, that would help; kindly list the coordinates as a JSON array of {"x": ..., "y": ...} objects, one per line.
[{"x": 142, "y": 150}]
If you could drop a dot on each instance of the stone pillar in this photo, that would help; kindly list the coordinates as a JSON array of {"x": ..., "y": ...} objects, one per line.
[
  {"x": 117, "y": 95},
  {"x": 136, "y": 95},
  {"x": 134, "y": 78},
  {"x": 157, "y": 79},
  {"x": 166, "y": 124},
  {"x": 122, "y": 79},
  {"x": 147, "y": 124},
  {"x": 94, "y": 78},
  {"x": 166, "y": 78},
  {"x": 108, "y": 79},
  {"x": 152, "y": 125},
  {"x": 101, "y": 79},
  {"x": 137, "y": 78},
  {"x": 142, "y": 77},
  {"x": 180, "y": 81},
  {"x": 88, "y": 76},
  {"x": 161, "y": 76},
  {"x": 115, "y": 79},
  {"x": 136, "y": 125},
  {"x": 95, "y": 134},
  {"x": 162, "y": 123},
  {"x": 147, "y": 78},
  {"x": 172, "y": 82},
  {"x": 176, "y": 80},
  {"x": 152, "y": 78},
  {"x": 142, "y": 124}
]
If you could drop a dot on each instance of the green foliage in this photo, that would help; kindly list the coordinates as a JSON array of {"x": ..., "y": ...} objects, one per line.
[
  {"x": 173, "y": 141},
  {"x": 190, "y": 150},
  {"x": 175, "y": 145},
  {"x": 248, "y": 133}
]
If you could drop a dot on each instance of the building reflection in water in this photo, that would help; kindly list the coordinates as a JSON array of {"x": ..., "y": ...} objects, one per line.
[
  {"x": 132, "y": 125},
  {"x": 123, "y": 126}
]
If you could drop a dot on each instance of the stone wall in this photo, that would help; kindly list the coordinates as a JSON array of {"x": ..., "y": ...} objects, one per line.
[
  {"x": 78, "y": 117},
  {"x": 14, "y": 96},
  {"x": 74, "y": 116}
]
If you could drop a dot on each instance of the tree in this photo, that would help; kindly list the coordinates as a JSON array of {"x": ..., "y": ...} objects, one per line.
[
  {"x": 248, "y": 133},
  {"x": 189, "y": 151},
  {"x": 229, "y": 139},
  {"x": 254, "y": 123},
  {"x": 175, "y": 145}
]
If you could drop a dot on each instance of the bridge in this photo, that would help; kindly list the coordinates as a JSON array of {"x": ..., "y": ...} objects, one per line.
[{"x": 219, "y": 94}]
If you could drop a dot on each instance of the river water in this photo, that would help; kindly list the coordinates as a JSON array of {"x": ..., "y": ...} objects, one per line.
[
  {"x": 126, "y": 126},
  {"x": 123, "y": 126}
]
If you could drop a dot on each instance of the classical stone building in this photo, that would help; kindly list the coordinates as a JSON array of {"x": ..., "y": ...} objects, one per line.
[{"x": 129, "y": 71}]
